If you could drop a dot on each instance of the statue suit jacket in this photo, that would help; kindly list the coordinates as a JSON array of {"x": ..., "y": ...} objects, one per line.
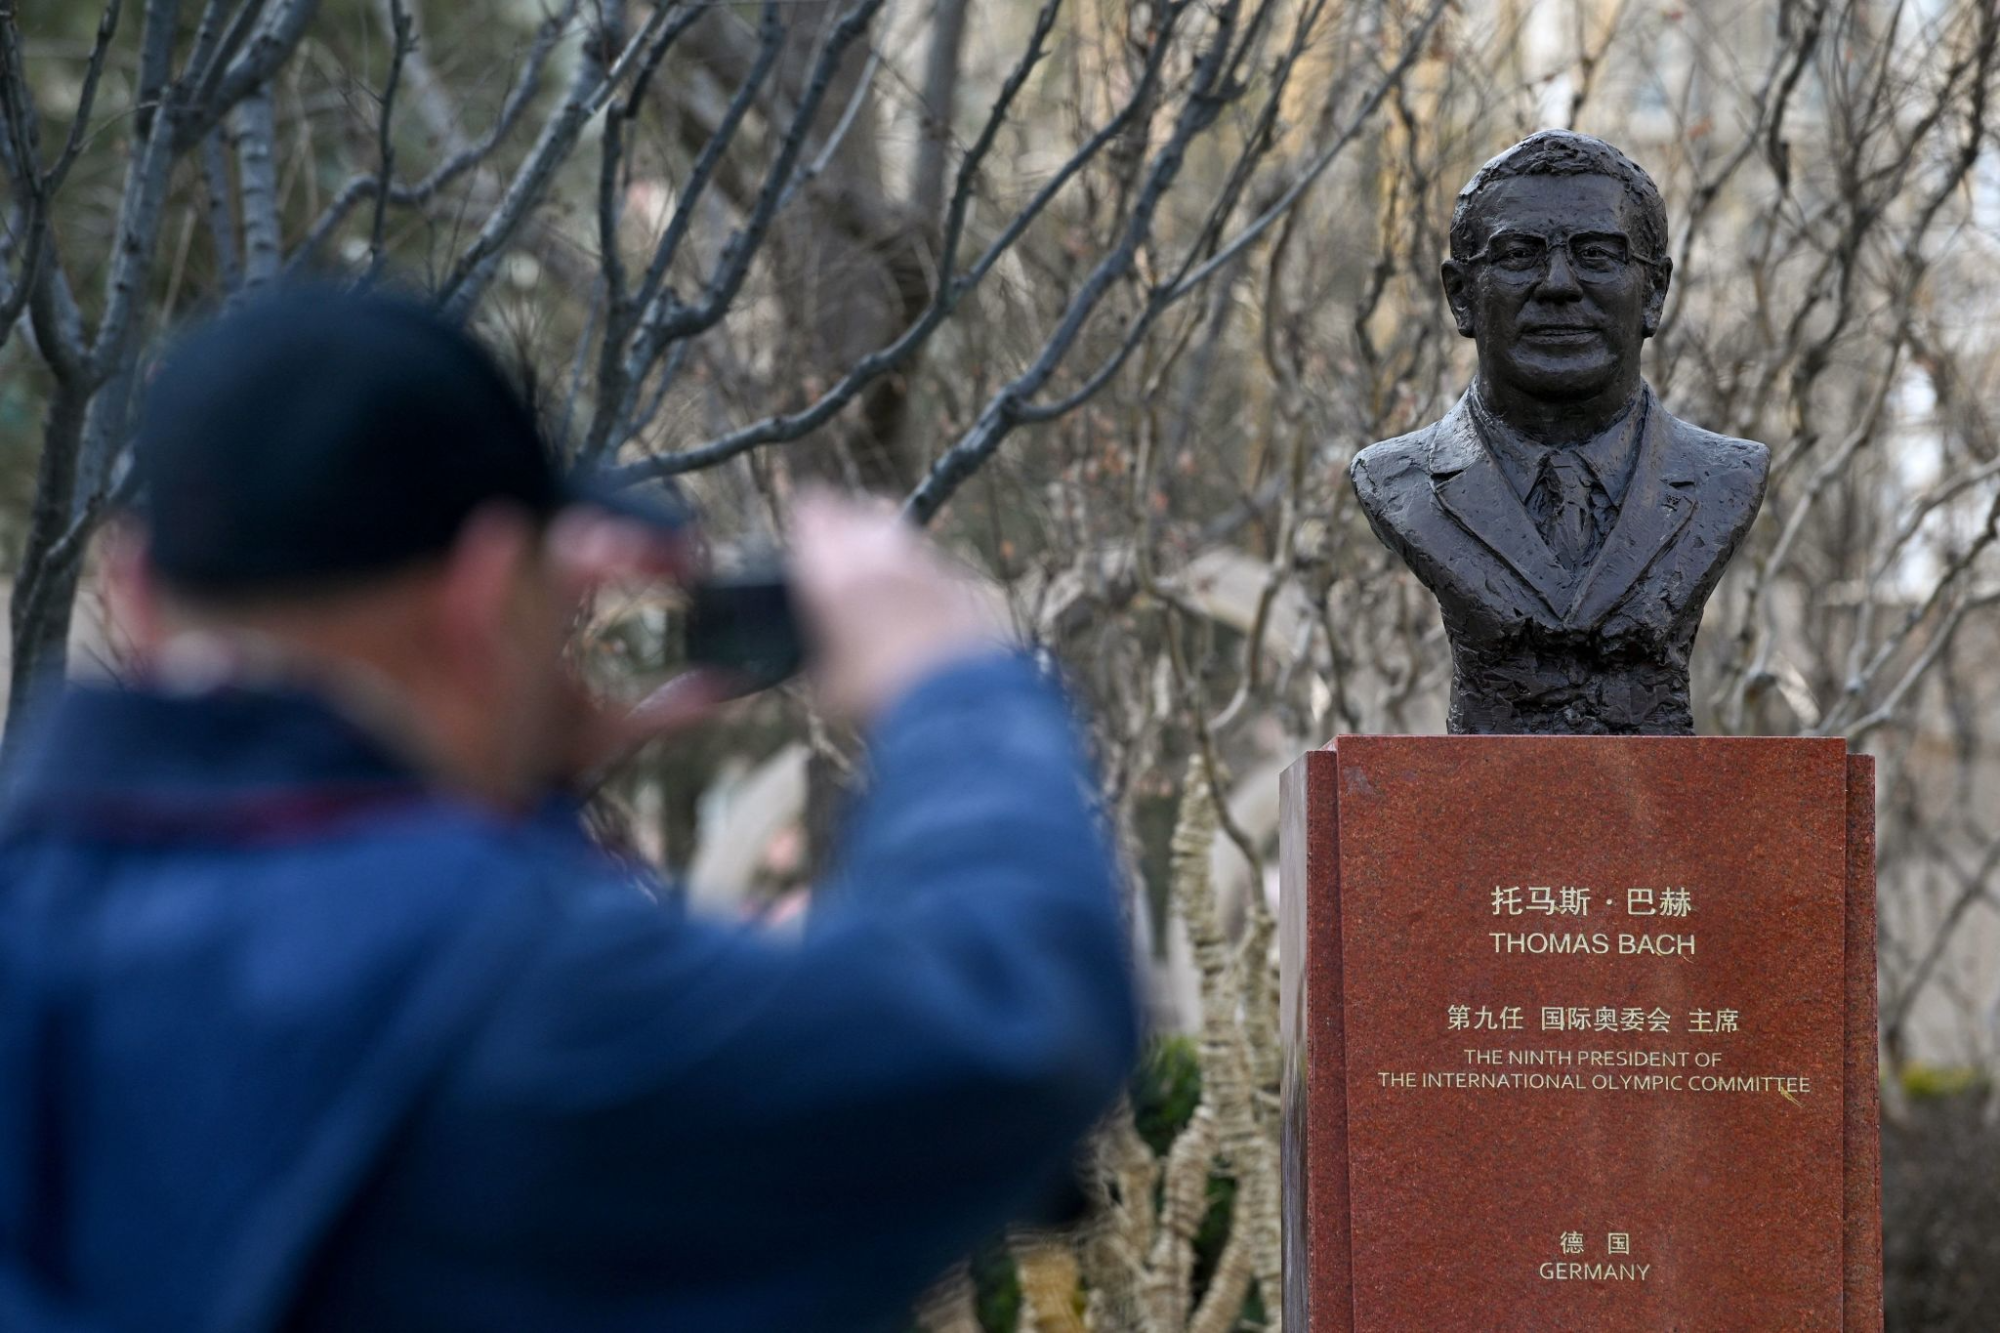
[{"x": 1539, "y": 648}]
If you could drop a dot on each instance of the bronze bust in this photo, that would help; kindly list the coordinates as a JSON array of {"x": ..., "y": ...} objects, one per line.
[{"x": 1569, "y": 527}]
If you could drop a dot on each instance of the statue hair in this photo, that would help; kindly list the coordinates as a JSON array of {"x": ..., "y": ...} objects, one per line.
[{"x": 1564, "y": 153}]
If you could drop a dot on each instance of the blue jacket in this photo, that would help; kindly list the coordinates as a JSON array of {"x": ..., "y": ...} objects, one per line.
[{"x": 288, "y": 1040}]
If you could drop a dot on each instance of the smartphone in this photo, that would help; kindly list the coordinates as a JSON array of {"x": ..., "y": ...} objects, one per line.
[{"x": 744, "y": 624}]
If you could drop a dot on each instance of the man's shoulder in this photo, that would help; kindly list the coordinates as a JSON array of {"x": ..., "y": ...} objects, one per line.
[
  {"x": 438, "y": 864},
  {"x": 361, "y": 895}
]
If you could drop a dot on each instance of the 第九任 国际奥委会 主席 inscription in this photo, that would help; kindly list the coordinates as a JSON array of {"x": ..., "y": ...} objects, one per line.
[{"x": 1500, "y": 1046}]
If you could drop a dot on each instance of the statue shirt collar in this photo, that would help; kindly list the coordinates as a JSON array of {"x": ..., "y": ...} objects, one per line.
[
  {"x": 1467, "y": 482},
  {"x": 1610, "y": 453}
]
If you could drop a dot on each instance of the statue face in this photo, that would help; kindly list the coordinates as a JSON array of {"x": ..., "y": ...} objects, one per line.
[{"x": 1554, "y": 298}]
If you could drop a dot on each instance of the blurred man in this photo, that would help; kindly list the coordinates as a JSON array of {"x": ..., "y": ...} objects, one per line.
[{"x": 318, "y": 1011}]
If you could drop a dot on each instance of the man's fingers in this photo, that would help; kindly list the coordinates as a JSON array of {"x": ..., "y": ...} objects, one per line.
[
  {"x": 882, "y": 604},
  {"x": 604, "y": 735},
  {"x": 687, "y": 700}
]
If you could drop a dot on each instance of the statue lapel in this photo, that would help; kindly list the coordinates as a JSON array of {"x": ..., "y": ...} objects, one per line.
[
  {"x": 1471, "y": 488},
  {"x": 1653, "y": 513}
]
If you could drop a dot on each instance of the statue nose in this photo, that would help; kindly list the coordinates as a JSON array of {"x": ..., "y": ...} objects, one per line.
[{"x": 1560, "y": 277}]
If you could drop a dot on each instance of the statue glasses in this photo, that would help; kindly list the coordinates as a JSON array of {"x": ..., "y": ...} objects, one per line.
[{"x": 1524, "y": 256}]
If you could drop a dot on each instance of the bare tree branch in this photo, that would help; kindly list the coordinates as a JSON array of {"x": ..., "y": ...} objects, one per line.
[
  {"x": 254, "y": 134},
  {"x": 588, "y": 94},
  {"x": 401, "y": 41},
  {"x": 1013, "y": 405},
  {"x": 464, "y": 156}
]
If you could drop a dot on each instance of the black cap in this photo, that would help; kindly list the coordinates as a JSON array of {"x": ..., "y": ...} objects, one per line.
[{"x": 316, "y": 435}]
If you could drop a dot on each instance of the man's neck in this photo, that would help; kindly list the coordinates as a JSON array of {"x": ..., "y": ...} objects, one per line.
[
  {"x": 1561, "y": 422},
  {"x": 197, "y": 659}
]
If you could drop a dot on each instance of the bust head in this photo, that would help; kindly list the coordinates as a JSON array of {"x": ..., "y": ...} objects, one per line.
[{"x": 1558, "y": 271}]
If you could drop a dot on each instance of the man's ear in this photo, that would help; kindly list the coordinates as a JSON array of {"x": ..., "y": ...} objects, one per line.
[
  {"x": 1656, "y": 299},
  {"x": 131, "y": 592},
  {"x": 482, "y": 577},
  {"x": 1457, "y": 296}
]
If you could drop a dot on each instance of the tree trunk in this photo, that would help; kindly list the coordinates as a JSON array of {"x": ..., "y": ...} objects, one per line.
[
  {"x": 851, "y": 273},
  {"x": 45, "y": 586}
]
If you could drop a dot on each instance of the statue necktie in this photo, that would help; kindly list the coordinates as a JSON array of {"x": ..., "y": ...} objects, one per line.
[{"x": 1561, "y": 507}]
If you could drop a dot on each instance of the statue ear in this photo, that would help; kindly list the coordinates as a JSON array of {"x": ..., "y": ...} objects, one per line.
[
  {"x": 1459, "y": 298},
  {"x": 1656, "y": 298}
]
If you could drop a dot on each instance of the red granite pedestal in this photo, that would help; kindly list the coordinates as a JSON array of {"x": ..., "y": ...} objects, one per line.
[{"x": 1580, "y": 1035}]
